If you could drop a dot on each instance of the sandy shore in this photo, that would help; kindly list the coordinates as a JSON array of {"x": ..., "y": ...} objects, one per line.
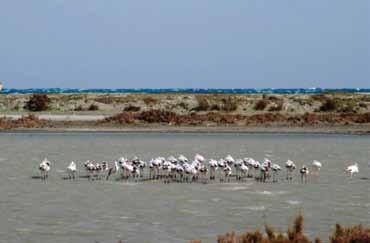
[{"x": 57, "y": 117}]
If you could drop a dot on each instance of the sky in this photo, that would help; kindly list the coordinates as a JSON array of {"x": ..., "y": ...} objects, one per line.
[{"x": 185, "y": 44}]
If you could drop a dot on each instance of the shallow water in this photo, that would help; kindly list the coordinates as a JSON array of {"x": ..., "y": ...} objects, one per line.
[{"x": 108, "y": 211}]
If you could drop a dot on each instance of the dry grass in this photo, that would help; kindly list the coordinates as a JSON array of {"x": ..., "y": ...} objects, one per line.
[
  {"x": 295, "y": 234},
  {"x": 29, "y": 121},
  {"x": 270, "y": 118}
]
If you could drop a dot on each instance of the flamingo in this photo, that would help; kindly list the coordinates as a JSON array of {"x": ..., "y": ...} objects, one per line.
[
  {"x": 116, "y": 166},
  {"x": 44, "y": 168},
  {"x": 151, "y": 169},
  {"x": 180, "y": 171},
  {"x": 199, "y": 158},
  {"x": 352, "y": 169},
  {"x": 141, "y": 165},
  {"x": 256, "y": 167},
  {"x": 304, "y": 173},
  {"x": 213, "y": 167},
  {"x": 229, "y": 159},
  {"x": 316, "y": 167},
  {"x": 290, "y": 166},
  {"x": 157, "y": 164},
  {"x": 238, "y": 164},
  {"x": 182, "y": 159},
  {"x": 265, "y": 169},
  {"x": 190, "y": 170},
  {"x": 72, "y": 169},
  {"x": 202, "y": 169},
  {"x": 167, "y": 168},
  {"x": 221, "y": 164},
  {"x": 172, "y": 159},
  {"x": 90, "y": 168},
  {"x": 250, "y": 163},
  {"x": 275, "y": 168},
  {"x": 113, "y": 170},
  {"x": 227, "y": 173},
  {"x": 127, "y": 169},
  {"x": 104, "y": 170},
  {"x": 244, "y": 170}
]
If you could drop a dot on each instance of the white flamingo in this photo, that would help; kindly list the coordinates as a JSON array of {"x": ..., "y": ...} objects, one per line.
[
  {"x": 227, "y": 173},
  {"x": 238, "y": 164},
  {"x": 44, "y": 168},
  {"x": 221, "y": 164},
  {"x": 151, "y": 169},
  {"x": 202, "y": 171},
  {"x": 142, "y": 166},
  {"x": 290, "y": 166},
  {"x": 180, "y": 171},
  {"x": 229, "y": 160},
  {"x": 182, "y": 159},
  {"x": 304, "y": 173},
  {"x": 257, "y": 166},
  {"x": 72, "y": 169},
  {"x": 116, "y": 167},
  {"x": 275, "y": 169},
  {"x": 316, "y": 167},
  {"x": 352, "y": 169},
  {"x": 244, "y": 170},
  {"x": 190, "y": 171},
  {"x": 128, "y": 169},
  {"x": 213, "y": 168},
  {"x": 90, "y": 169},
  {"x": 157, "y": 164},
  {"x": 167, "y": 168},
  {"x": 172, "y": 159},
  {"x": 265, "y": 167},
  {"x": 199, "y": 158},
  {"x": 250, "y": 163}
]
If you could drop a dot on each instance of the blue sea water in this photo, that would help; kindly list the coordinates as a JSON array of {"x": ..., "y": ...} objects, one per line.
[{"x": 186, "y": 91}]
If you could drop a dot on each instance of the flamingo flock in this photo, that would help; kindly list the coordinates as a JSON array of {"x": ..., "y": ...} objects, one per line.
[{"x": 180, "y": 169}]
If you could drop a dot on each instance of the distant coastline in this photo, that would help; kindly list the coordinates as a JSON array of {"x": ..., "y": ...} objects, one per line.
[
  {"x": 186, "y": 91},
  {"x": 344, "y": 113}
]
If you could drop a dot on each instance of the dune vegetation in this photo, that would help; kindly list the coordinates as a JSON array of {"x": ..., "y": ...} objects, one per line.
[{"x": 211, "y": 110}]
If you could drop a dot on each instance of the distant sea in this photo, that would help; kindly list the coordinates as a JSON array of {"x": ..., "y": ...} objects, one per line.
[{"x": 186, "y": 91}]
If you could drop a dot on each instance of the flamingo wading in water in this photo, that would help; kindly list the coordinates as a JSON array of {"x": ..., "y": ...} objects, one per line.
[
  {"x": 72, "y": 169},
  {"x": 44, "y": 168},
  {"x": 352, "y": 169}
]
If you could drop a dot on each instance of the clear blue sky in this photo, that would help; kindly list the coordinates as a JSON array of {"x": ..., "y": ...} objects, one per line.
[{"x": 189, "y": 43}]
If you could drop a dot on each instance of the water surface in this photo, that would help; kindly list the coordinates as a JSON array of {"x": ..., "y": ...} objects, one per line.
[{"x": 108, "y": 211}]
